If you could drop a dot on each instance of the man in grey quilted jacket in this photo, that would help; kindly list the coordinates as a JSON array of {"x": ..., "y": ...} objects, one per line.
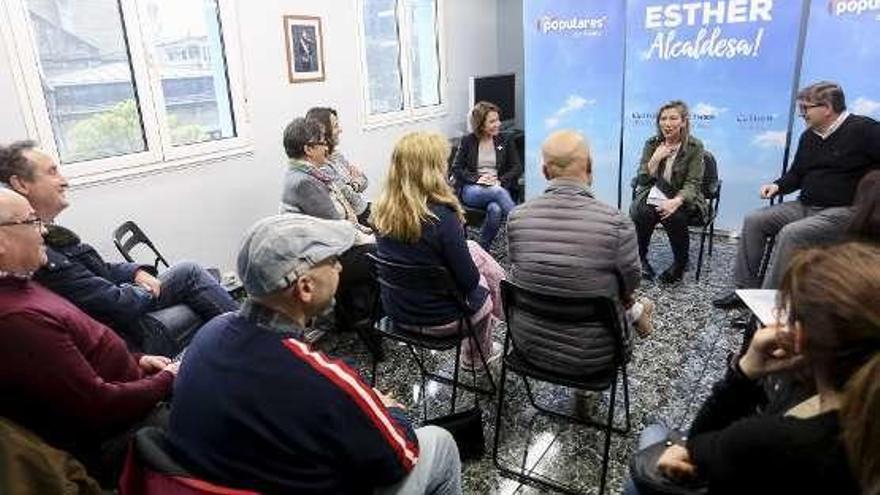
[{"x": 567, "y": 242}]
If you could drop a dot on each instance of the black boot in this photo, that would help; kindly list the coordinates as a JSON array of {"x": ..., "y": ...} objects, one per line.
[
  {"x": 648, "y": 272},
  {"x": 673, "y": 273},
  {"x": 728, "y": 301}
]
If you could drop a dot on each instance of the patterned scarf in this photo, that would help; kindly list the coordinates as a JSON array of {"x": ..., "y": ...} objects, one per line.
[{"x": 335, "y": 193}]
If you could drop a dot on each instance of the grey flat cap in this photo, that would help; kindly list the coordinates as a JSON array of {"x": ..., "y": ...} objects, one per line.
[{"x": 278, "y": 250}]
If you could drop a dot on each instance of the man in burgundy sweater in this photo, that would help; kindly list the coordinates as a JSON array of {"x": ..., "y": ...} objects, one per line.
[{"x": 63, "y": 375}]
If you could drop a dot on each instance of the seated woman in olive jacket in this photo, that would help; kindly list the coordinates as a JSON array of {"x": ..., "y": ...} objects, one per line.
[
  {"x": 487, "y": 169},
  {"x": 669, "y": 188}
]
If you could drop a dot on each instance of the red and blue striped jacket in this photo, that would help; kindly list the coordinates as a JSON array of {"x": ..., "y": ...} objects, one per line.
[{"x": 256, "y": 408}]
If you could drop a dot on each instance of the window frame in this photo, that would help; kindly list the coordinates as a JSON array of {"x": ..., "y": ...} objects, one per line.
[
  {"x": 160, "y": 153},
  {"x": 404, "y": 30}
]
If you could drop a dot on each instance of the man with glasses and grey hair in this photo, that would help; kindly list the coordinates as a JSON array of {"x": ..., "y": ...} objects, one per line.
[
  {"x": 833, "y": 154},
  {"x": 63, "y": 375},
  {"x": 257, "y": 408},
  {"x": 120, "y": 295}
]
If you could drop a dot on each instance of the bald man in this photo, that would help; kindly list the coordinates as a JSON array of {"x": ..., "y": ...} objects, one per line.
[
  {"x": 63, "y": 375},
  {"x": 569, "y": 243}
]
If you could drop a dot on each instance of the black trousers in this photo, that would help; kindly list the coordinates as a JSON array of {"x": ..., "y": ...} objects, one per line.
[
  {"x": 645, "y": 217},
  {"x": 357, "y": 290}
]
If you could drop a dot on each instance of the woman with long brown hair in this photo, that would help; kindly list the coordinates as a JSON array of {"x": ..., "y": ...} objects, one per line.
[
  {"x": 350, "y": 179},
  {"x": 487, "y": 170},
  {"x": 830, "y": 443}
]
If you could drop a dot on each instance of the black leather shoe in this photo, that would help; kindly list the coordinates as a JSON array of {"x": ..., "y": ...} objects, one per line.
[
  {"x": 672, "y": 274},
  {"x": 648, "y": 271},
  {"x": 728, "y": 301}
]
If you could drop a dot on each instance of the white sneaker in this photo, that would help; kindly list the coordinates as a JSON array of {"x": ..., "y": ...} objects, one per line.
[{"x": 494, "y": 355}]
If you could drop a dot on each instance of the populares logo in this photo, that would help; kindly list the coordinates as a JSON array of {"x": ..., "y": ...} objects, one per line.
[
  {"x": 573, "y": 25},
  {"x": 853, "y": 7}
]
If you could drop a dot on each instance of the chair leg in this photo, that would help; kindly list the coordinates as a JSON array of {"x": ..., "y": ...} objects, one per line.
[
  {"x": 626, "y": 397},
  {"x": 418, "y": 360},
  {"x": 521, "y": 475},
  {"x": 455, "y": 373},
  {"x": 711, "y": 237},
  {"x": 608, "y": 430},
  {"x": 700, "y": 256},
  {"x": 529, "y": 392},
  {"x": 499, "y": 412}
]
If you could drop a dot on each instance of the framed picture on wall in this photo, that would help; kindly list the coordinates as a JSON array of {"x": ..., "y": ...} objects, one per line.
[{"x": 305, "y": 48}]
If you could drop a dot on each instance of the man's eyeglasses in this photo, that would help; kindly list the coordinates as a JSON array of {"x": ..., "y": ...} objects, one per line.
[
  {"x": 36, "y": 222},
  {"x": 803, "y": 107},
  {"x": 317, "y": 143}
]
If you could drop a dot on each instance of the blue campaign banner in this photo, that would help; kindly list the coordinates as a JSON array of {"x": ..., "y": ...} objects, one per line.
[
  {"x": 574, "y": 75},
  {"x": 838, "y": 48},
  {"x": 733, "y": 62}
]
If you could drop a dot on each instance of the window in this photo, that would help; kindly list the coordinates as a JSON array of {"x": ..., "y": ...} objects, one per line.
[
  {"x": 402, "y": 58},
  {"x": 112, "y": 84}
]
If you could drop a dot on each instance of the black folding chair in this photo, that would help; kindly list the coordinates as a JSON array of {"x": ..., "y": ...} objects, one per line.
[
  {"x": 712, "y": 193},
  {"x": 570, "y": 310},
  {"x": 437, "y": 280},
  {"x": 129, "y": 236}
]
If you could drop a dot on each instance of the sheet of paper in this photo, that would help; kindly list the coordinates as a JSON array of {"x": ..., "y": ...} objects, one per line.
[
  {"x": 655, "y": 196},
  {"x": 761, "y": 302}
]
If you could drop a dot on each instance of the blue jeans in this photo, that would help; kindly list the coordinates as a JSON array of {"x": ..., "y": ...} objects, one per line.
[
  {"x": 650, "y": 435},
  {"x": 438, "y": 470},
  {"x": 497, "y": 203},
  {"x": 186, "y": 284},
  {"x": 190, "y": 284}
]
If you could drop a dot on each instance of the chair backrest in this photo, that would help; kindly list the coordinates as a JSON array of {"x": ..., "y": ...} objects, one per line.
[
  {"x": 128, "y": 236},
  {"x": 571, "y": 310},
  {"x": 151, "y": 470},
  {"x": 711, "y": 183},
  {"x": 431, "y": 279}
]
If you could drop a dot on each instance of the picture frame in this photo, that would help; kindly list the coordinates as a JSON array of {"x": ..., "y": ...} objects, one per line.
[{"x": 304, "y": 42}]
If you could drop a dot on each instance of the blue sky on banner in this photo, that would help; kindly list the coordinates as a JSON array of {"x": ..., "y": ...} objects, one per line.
[
  {"x": 733, "y": 63},
  {"x": 838, "y": 27},
  {"x": 573, "y": 76}
]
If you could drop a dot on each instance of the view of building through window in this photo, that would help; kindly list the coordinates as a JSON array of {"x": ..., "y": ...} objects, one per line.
[
  {"x": 395, "y": 31},
  {"x": 91, "y": 91},
  {"x": 383, "y": 56},
  {"x": 87, "y": 78},
  {"x": 425, "y": 52},
  {"x": 184, "y": 36}
]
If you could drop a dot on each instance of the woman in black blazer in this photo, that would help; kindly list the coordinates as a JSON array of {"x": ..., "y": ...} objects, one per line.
[{"x": 487, "y": 169}]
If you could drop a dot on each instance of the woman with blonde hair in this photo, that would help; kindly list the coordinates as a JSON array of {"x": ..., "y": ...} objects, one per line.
[
  {"x": 419, "y": 221},
  {"x": 829, "y": 443},
  {"x": 669, "y": 188}
]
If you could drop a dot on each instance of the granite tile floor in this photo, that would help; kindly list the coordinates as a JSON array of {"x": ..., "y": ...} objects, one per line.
[{"x": 670, "y": 374}]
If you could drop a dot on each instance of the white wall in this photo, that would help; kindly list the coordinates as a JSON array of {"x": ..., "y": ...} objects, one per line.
[
  {"x": 201, "y": 212},
  {"x": 511, "y": 54}
]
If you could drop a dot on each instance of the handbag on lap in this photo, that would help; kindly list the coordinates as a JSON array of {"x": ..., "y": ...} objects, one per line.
[{"x": 650, "y": 481}]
